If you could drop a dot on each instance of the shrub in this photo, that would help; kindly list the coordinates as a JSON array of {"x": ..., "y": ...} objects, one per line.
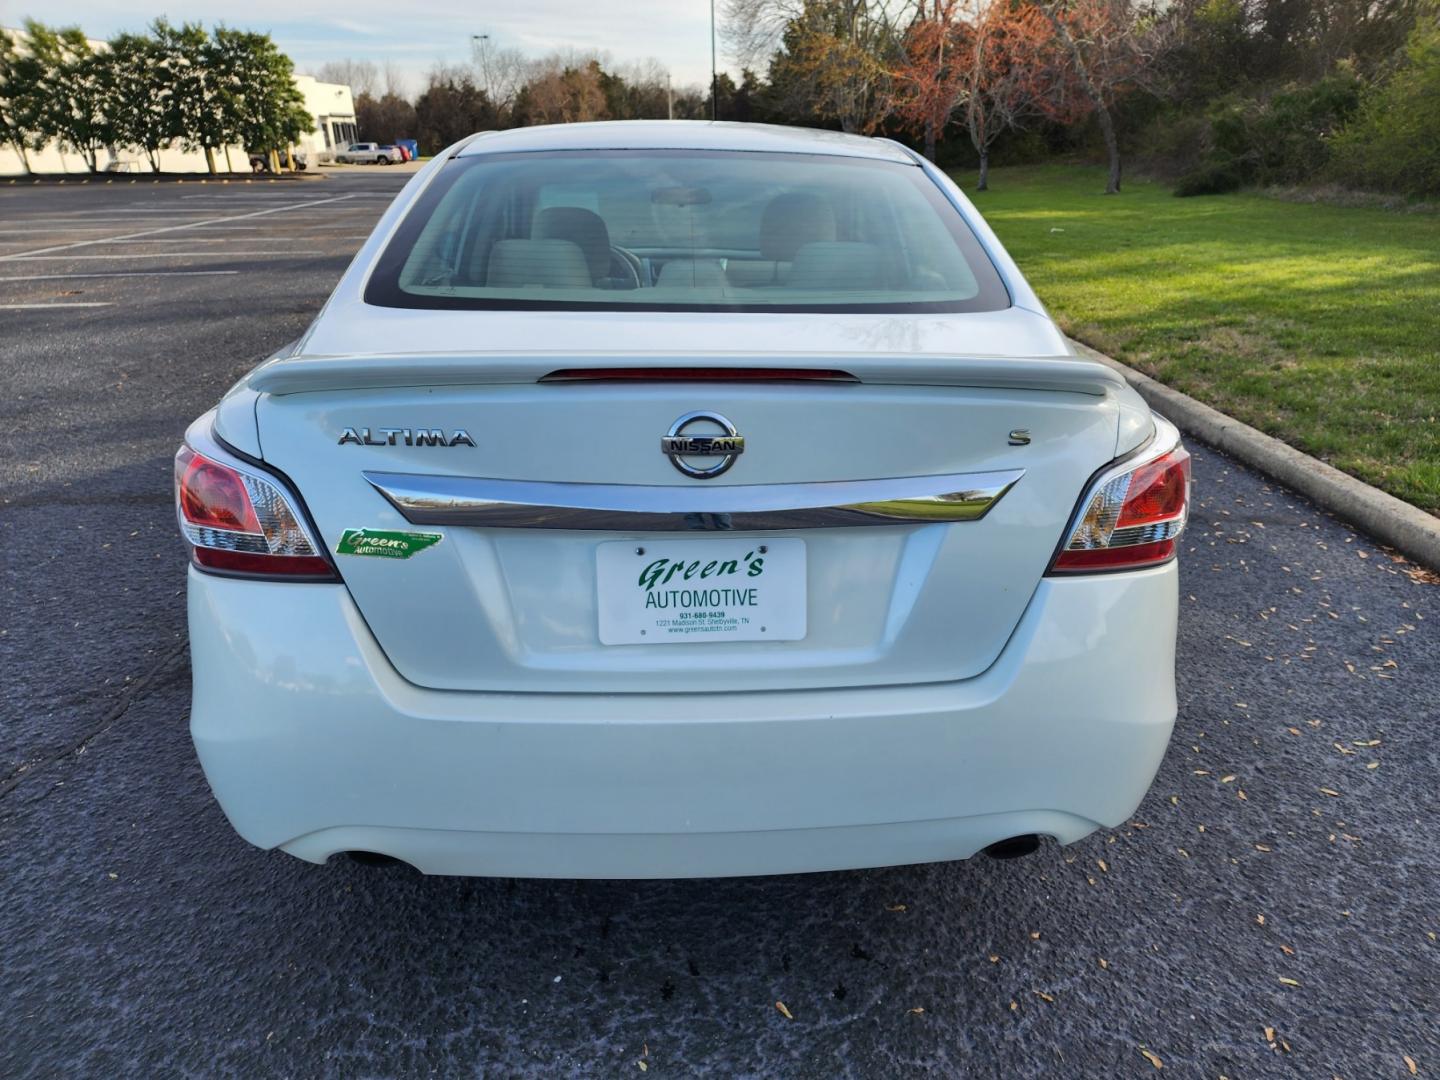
[
  {"x": 1293, "y": 134},
  {"x": 1285, "y": 139},
  {"x": 1393, "y": 144},
  {"x": 1173, "y": 145},
  {"x": 1211, "y": 179}
]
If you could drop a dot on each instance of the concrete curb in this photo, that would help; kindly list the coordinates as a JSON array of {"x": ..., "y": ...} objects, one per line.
[{"x": 1409, "y": 530}]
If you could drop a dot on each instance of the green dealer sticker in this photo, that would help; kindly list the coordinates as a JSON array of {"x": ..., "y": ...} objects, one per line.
[{"x": 384, "y": 543}]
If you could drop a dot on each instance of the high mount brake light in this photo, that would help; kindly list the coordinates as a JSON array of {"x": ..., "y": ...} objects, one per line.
[
  {"x": 239, "y": 523},
  {"x": 699, "y": 374},
  {"x": 1132, "y": 515}
]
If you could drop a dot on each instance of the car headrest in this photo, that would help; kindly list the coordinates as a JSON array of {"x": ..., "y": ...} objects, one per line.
[
  {"x": 554, "y": 264},
  {"x": 838, "y": 266},
  {"x": 791, "y": 221},
  {"x": 582, "y": 227}
]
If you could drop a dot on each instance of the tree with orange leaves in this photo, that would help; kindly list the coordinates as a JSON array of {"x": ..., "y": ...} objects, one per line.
[
  {"x": 993, "y": 68},
  {"x": 1106, "y": 47},
  {"x": 926, "y": 83},
  {"x": 1008, "y": 74}
]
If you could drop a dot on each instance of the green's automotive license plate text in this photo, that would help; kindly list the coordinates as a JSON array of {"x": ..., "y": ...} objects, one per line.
[{"x": 655, "y": 592}]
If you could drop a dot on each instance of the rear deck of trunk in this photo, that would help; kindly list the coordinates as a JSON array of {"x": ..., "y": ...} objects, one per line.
[{"x": 499, "y": 606}]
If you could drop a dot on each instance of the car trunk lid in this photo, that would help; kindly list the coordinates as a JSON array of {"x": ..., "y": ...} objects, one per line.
[{"x": 517, "y": 605}]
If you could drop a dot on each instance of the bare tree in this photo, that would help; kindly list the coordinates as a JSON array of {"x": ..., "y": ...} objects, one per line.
[
  {"x": 501, "y": 73},
  {"x": 393, "y": 81},
  {"x": 362, "y": 76},
  {"x": 752, "y": 29}
]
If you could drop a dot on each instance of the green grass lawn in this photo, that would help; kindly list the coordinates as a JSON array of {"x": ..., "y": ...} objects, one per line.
[{"x": 1317, "y": 324}]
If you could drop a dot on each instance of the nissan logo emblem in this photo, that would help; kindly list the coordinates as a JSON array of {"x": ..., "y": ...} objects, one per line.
[{"x": 680, "y": 444}]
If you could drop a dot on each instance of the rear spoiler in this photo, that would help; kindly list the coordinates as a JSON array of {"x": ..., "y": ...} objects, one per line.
[{"x": 308, "y": 374}]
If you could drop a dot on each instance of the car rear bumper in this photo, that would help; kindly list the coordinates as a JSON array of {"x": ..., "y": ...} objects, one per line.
[{"x": 314, "y": 744}]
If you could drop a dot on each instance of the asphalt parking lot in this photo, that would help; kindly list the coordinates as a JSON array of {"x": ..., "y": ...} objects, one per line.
[{"x": 1271, "y": 910}]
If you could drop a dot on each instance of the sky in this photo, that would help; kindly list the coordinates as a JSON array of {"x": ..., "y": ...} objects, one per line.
[{"x": 418, "y": 34}]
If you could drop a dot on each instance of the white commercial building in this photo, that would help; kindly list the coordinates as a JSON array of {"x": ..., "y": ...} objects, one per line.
[{"x": 334, "y": 111}]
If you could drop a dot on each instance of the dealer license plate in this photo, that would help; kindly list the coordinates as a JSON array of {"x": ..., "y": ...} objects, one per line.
[{"x": 654, "y": 592}]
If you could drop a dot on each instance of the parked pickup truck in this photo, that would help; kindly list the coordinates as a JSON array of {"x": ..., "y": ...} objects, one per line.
[{"x": 369, "y": 153}]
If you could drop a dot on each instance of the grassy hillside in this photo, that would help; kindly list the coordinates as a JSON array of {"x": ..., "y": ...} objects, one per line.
[{"x": 1317, "y": 324}]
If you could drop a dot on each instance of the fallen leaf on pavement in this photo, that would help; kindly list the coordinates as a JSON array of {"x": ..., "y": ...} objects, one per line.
[
  {"x": 783, "y": 1010},
  {"x": 1154, "y": 1059}
]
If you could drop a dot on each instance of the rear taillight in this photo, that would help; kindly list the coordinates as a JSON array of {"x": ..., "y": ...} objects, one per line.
[
  {"x": 1132, "y": 515},
  {"x": 237, "y": 522}
]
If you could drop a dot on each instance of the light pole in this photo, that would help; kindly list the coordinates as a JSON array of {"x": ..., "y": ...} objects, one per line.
[
  {"x": 480, "y": 50},
  {"x": 714, "y": 78}
]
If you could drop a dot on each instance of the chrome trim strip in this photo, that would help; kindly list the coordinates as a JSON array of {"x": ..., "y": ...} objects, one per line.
[{"x": 524, "y": 504}]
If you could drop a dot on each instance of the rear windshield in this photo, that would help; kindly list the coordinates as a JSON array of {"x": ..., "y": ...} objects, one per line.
[{"x": 684, "y": 230}]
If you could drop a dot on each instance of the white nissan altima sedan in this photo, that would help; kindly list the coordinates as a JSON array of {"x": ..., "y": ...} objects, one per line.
[{"x": 680, "y": 499}]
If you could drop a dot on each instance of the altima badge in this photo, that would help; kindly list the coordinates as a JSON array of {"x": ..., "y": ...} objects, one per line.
[
  {"x": 679, "y": 445},
  {"x": 404, "y": 436}
]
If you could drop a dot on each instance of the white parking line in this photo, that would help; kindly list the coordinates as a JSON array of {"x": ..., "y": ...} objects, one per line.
[
  {"x": 184, "y": 240},
  {"x": 101, "y": 211},
  {"x": 33, "y": 307},
  {"x": 49, "y": 225},
  {"x": 254, "y": 199},
  {"x": 123, "y": 273},
  {"x": 142, "y": 255},
  {"x": 172, "y": 228},
  {"x": 233, "y": 228},
  {"x": 78, "y": 217}
]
